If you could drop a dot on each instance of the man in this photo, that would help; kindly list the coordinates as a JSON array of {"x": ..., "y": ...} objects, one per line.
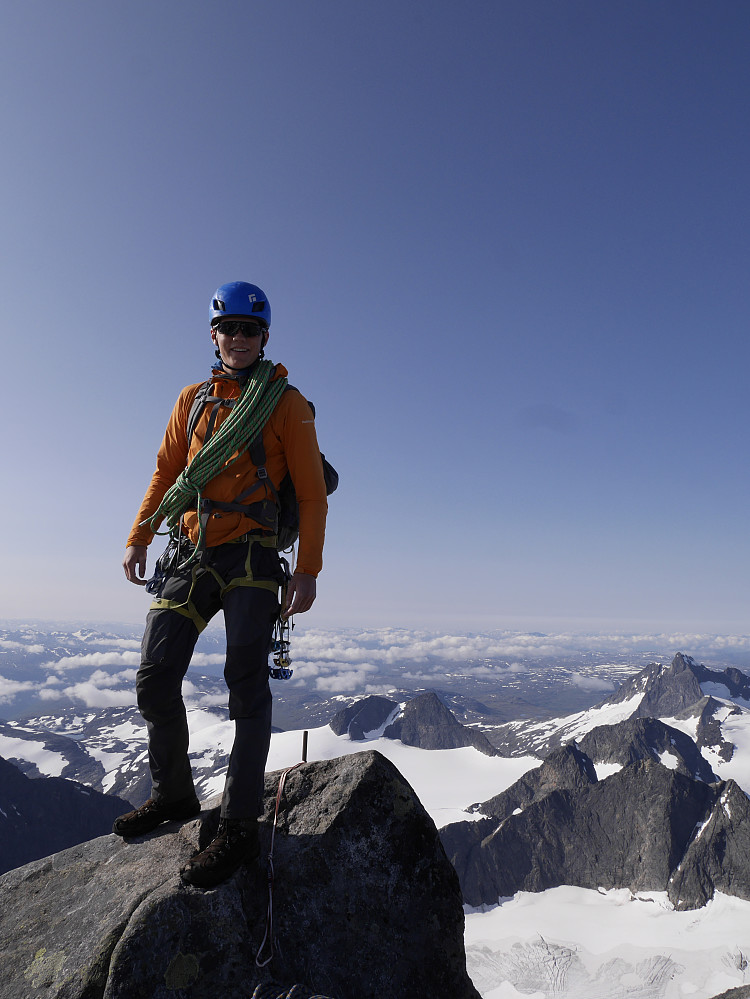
[{"x": 227, "y": 561}]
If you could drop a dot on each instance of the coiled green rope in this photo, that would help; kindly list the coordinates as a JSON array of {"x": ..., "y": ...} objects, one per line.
[{"x": 254, "y": 406}]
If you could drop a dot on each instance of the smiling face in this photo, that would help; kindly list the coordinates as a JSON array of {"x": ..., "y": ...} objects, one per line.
[{"x": 238, "y": 350}]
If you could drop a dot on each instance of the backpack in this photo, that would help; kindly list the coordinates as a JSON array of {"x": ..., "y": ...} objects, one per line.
[{"x": 280, "y": 513}]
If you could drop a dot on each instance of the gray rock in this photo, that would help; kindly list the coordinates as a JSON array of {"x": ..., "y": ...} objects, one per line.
[
  {"x": 567, "y": 768},
  {"x": 718, "y": 855},
  {"x": 365, "y": 715},
  {"x": 428, "y": 724},
  {"x": 637, "y": 829},
  {"x": 366, "y": 904},
  {"x": 671, "y": 690},
  {"x": 646, "y": 738},
  {"x": 708, "y": 728}
]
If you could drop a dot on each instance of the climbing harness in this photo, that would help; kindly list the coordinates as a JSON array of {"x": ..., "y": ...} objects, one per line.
[
  {"x": 249, "y": 415},
  {"x": 268, "y": 936},
  {"x": 277, "y": 512}
]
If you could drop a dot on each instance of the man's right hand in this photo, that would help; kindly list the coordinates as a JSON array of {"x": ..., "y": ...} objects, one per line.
[{"x": 134, "y": 564}]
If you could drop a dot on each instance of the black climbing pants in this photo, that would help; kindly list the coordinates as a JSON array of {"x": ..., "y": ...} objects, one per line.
[{"x": 241, "y": 578}]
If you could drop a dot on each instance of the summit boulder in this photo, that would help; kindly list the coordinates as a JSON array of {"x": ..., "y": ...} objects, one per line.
[{"x": 366, "y": 904}]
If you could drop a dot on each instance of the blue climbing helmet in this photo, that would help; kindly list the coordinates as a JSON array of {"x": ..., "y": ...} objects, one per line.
[{"x": 238, "y": 298}]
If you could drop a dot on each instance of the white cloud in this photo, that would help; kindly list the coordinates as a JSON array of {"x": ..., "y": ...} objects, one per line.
[
  {"x": 506, "y": 650},
  {"x": 207, "y": 700},
  {"x": 349, "y": 680},
  {"x": 47, "y": 694},
  {"x": 97, "y": 697},
  {"x": 10, "y": 688},
  {"x": 307, "y": 668},
  {"x": 94, "y": 659},
  {"x": 119, "y": 643},
  {"x": 351, "y": 660},
  {"x": 99, "y": 678},
  {"x": 394, "y": 647},
  {"x": 7, "y": 643},
  {"x": 207, "y": 659},
  {"x": 591, "y": 682}
]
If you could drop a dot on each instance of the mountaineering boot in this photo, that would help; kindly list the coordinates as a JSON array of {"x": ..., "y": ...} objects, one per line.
[
  {"x": 151, "y": 814},
  {"x": 235, "y": 843}
]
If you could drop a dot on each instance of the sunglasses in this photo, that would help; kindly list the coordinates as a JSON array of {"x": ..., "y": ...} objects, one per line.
[{"x": 231, "y": 327}]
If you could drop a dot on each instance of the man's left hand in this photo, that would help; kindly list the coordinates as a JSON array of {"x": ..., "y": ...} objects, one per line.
[{"x": 300, "y": 594}]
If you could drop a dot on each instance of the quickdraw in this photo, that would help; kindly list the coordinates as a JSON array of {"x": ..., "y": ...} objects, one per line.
[{"x": 282, "y": 633}]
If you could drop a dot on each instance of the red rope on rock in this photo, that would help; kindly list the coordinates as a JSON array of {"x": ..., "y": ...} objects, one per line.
[{"x": 268, "y": 936}]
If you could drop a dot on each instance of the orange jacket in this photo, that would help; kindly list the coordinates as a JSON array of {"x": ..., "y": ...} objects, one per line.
[{"x": 291, "y": 445}]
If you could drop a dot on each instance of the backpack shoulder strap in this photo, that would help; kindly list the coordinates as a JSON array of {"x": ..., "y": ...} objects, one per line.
[
  {"x": 202, "y": 398},
  {"x": 199, "y": 401},
  {"x": 295, "y": 389},
  {"x": 256, "y": 449}
]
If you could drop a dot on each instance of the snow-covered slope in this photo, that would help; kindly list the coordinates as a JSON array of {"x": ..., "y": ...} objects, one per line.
[
  {"x": 711, "y": 707},
  {"x": 574, "y": 943},
  {"x": 447, "y": 781},
  {"x": 540, "y": 737}
]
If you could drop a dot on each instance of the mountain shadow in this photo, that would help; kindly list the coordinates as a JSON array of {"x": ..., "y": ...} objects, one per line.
[{"x": 48, "y": 814}]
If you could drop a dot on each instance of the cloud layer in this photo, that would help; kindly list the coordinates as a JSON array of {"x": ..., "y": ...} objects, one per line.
[{"x": 362, "y": 661}]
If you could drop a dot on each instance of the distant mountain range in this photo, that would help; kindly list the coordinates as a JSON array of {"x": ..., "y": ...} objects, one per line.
[
  {"x": 696, "y": 699},
  {"x": 624, "y": 798},
  {"x": 644, "y": 790}
]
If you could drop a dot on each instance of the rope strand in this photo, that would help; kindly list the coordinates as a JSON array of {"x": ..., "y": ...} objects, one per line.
[{"x": 254, "y": 406}]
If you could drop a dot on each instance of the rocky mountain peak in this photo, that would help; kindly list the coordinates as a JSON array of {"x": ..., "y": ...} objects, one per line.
[
  {"x": 366, "y": 903},
  {"x": 683, "y": 690},
  {"x": 565, "y": 768},
  {"x": 647, "y": 827},
  {"x": 671, "y": 689},
  {"x": 646, "y": 738},
  {"x": 427, "y": 723},
  {"x": 424, "y": 721},
  {"x": 366, "y": 715}
]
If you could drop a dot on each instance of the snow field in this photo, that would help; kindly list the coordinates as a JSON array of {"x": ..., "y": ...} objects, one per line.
[
  {"x": 446, "y": 781},
  {"x": 607, "y": 945},
  {"x": 47, "y": 762}
]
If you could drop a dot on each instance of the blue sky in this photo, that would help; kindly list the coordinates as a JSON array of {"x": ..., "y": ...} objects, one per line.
[{"x": 506, "y": 247}]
